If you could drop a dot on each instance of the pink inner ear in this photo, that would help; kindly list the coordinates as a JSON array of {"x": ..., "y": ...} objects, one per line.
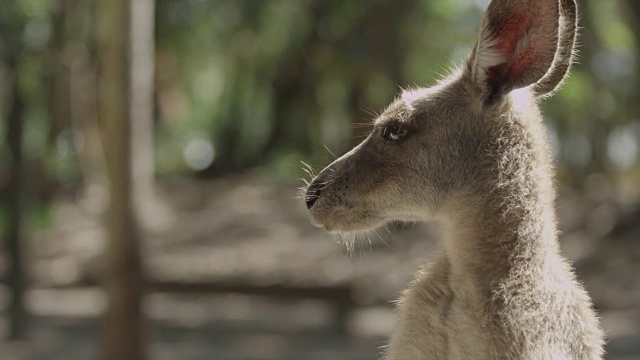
[{"x": 507, "y": 34}]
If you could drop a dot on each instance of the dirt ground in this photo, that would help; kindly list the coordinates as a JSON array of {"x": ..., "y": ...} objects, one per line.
[{"x": 250, "y": 229}]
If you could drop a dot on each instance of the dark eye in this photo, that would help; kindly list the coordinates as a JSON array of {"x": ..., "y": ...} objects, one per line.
[{"x": 394, "y": 132}]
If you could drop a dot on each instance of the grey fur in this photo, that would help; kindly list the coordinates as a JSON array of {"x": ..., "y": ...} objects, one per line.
[{"x": 476, "y": 158}]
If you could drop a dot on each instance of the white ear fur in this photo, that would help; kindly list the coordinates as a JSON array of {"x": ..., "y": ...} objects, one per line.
[{"x": 486, "y": 56}]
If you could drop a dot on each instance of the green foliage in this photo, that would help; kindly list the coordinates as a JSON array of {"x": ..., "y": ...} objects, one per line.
[
  {"x": 34, "y": 9},
  {"x": 270, "y": 83},
  {"x": 39, "y": 217}
]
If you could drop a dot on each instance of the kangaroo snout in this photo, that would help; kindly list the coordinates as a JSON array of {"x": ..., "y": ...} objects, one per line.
[
  {"x": 313, "y": 192},
  {"x": 319, "y": 184}
]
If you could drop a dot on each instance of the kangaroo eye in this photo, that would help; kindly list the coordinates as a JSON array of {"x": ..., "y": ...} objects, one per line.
[{"x": 393, "y": 132}]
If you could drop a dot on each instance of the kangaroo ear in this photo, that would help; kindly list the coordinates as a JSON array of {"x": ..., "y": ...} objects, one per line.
[{"x": 516, "y": 47}]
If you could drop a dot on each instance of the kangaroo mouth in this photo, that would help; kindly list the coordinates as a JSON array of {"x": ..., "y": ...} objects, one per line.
[{"x": 340, "y": 219}]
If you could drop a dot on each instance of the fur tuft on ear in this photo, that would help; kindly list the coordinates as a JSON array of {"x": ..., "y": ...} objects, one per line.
[{"x": 516, "y": 46}]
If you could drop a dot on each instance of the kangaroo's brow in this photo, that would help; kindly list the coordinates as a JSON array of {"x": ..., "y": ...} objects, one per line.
[{"x": 397, "y": 111}]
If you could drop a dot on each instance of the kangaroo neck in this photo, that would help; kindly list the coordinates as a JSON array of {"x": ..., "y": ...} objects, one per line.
[{"x": 504, "y": 225}]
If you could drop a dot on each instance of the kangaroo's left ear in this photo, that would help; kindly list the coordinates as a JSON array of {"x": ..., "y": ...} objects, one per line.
[{"x": 516, "y": 46}]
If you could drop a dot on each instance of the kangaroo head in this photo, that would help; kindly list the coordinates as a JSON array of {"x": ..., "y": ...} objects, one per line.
[{"x": 427, "y": 145}]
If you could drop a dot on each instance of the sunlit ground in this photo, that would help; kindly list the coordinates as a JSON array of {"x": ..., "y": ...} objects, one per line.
[{"x": 251, "y": 230}]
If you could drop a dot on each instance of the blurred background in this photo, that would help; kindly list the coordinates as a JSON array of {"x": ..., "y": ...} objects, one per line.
[{"x": 151, "y": 151}]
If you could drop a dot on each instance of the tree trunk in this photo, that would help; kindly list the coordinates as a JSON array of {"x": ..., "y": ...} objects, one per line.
[
  {"x": 15, "y": 199},
  {"x": 13, "y": 108},
  {"x": 633, "y": 14},
  {"x": 384, "y": 55},
  {"x": 293, "y": 85},
  {"x": 72, "y": 99},
  {"x": 596, "y": 127},
  {"x": 142, "y": 76},
  {"x": 123, "y": 321}
]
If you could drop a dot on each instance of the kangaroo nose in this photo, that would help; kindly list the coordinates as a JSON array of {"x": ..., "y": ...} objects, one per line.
[{"x": 313, "y": 193}]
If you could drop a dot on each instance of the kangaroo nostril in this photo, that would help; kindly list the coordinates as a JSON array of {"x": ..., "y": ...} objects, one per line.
[{"x": 313, "y": 193}]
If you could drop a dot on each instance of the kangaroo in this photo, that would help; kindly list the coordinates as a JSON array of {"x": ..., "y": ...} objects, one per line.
[{"x": 472, "y": 153}]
